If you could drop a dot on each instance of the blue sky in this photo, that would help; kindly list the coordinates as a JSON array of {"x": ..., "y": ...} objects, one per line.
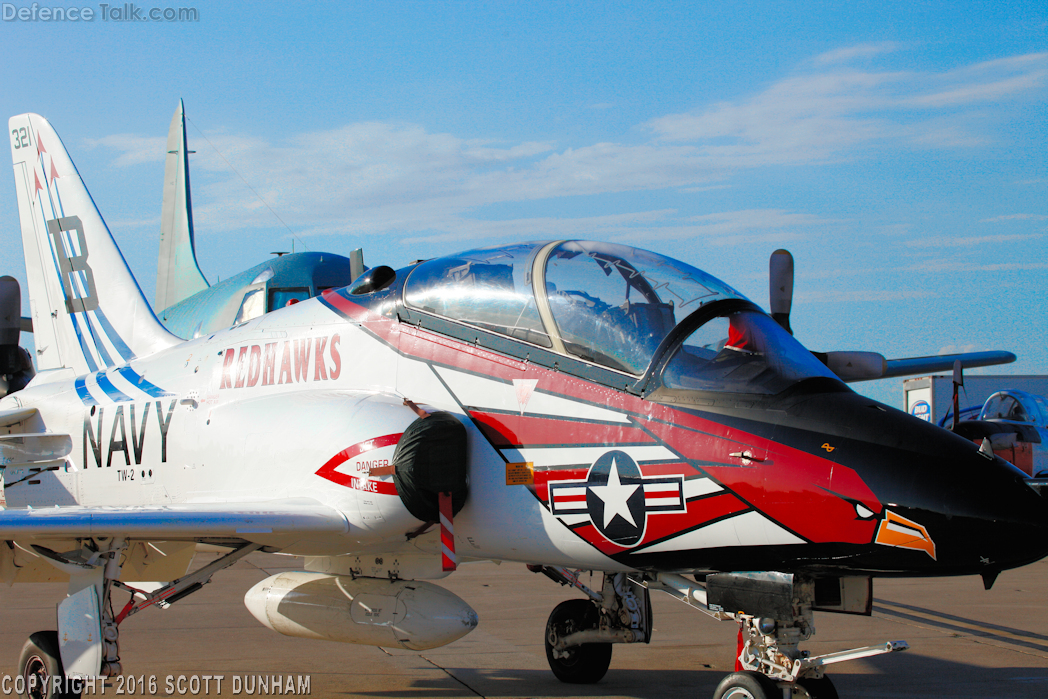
[{"x": 897, "y": 149}]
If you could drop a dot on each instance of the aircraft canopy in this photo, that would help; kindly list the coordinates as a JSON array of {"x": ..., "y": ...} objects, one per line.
[
  {"x": 613, "y": 305},
  {"x": 742, "y": 351},
  {"x": 605, "y": 303}
]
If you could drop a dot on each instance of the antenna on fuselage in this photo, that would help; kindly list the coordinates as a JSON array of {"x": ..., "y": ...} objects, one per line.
[{"x": 356, "y": 264}]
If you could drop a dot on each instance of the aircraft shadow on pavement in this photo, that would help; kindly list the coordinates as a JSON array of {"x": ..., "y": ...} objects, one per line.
[{"x": 902, "y": 676}]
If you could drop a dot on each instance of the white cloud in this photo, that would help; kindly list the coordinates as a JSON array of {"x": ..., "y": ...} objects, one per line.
[
  {"x": 953, "y": 266},
  {"x": 860, "y": 295},
  {"x": 399, "y": 178},
  {"x": 960, "y": 349},
  {"x": 720, "y": 229},
  {"x": 823, "y": 114},
  {"x": 1015, "y": 217},
  {"x": 726, "y": 227},
  {"x": 849, "y": 53},
  {"x": 981, "y": 92},
  {"x": 134, "y": 149},
  {"x": 610, "y": 227},
  {"x": 947, "y": 242}
]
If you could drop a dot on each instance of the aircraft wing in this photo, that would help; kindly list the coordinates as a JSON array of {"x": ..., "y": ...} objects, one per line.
[
  {"x": 913, "y": 366},
  {"x": 867, "y": 366},
  {"x": 12, "y": 417},
  {"x": 274, "y": 523}
]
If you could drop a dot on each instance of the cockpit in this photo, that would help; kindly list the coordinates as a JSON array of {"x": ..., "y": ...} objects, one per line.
[{"x": 627, "y": 311}]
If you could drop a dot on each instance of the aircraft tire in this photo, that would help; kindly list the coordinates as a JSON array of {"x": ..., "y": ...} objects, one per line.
[
  {"x": 587, "y": 663},
  {"x": 821, "y": 688},
  {"x": 747, "y": 685},
  {"x": 39, "y": 662}
]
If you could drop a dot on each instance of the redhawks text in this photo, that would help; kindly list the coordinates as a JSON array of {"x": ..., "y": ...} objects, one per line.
[{"x": 243, "y": 367}]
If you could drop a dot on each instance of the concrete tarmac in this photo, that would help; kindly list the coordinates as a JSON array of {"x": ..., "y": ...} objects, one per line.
[{"x": 965, "y": 643}]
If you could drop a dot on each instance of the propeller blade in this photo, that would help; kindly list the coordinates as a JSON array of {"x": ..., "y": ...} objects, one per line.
[
  {"x": 780, "y": 287},
  {"x": 10, "y": 311}
]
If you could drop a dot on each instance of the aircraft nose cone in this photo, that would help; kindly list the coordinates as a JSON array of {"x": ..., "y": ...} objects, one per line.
[
  {"x": 1010, "y": 519},
  {"x": 983, "y": 518},
  {"x": 946, "y": 509}
]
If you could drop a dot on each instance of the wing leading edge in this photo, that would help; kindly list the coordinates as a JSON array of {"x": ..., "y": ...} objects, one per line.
[{"x": 276, "y": 523}]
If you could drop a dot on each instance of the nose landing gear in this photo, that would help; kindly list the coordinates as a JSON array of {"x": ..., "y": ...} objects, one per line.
[{"x": 776, "y": 615}]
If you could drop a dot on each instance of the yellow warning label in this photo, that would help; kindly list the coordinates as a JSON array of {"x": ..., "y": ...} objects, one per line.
[{"x": 520, "y": 474}]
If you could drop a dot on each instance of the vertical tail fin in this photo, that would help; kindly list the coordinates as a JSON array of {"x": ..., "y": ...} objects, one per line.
[
  {"x": 177, "y": 275},
  {"x": 88, "y": 311}
]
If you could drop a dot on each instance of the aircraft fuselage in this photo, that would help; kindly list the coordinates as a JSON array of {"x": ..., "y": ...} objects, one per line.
[{"x": 562, "y": 470}]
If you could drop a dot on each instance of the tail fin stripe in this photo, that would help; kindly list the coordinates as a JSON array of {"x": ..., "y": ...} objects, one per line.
[
  {"x": 103, "y": 355},
  {"x": 88, "y": 357},
  {"x": 110, "y": 390},
  {"x": 114, "y": 337},
  {"x": 139, "y": 382},
  {"x": 85, "y": 395},
  {"x": 106, "y": 360}
]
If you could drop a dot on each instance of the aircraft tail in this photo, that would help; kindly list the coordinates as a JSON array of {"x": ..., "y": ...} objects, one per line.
[
  {"x": 88, "y": 311},
  {"x": 177, "y": 275}
]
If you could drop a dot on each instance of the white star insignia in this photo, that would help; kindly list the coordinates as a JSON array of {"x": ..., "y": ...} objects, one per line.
[{"x": 615, "y": 496}]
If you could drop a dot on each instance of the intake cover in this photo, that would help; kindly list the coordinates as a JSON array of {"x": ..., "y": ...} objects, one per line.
[{"x": 431, "y": 459}]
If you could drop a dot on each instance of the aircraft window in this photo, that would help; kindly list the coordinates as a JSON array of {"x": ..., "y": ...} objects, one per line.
[
  {"x": 742, "y": 352},
  {"x": 278, "y": 298},
  {"x": 613, "y": 304},
  {"x": 1004, "y": 407},
  {"x": 252, "y": 306},
  {"x": 992, "y": 410},
  {"x": 1001, "y": 406},
  {"x": 1018, "y": 413},
  {"x": 375, "y": 279},
  {"x": 488, "y": 288},
  {"x": 1042, "y": 407}
]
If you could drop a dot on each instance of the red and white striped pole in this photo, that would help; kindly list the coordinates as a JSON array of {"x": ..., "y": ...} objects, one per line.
[{"x": 447, "y": 533}]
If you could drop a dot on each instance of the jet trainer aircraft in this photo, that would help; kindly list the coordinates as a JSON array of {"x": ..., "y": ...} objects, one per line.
[{"x": 569, "y": 405}]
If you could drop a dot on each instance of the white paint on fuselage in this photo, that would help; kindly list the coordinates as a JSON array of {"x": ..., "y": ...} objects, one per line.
[
  {"x": 266, "y": 442},
  {"x": 748, "y": 529},
  {"x": 481, "y": 392}
]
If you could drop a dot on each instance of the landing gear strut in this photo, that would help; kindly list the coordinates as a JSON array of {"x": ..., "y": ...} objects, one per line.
[
  {"x": 777, "y": 614},
  {"x": 88, "y": 629},
  {"x": 580, "y": 632}
]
